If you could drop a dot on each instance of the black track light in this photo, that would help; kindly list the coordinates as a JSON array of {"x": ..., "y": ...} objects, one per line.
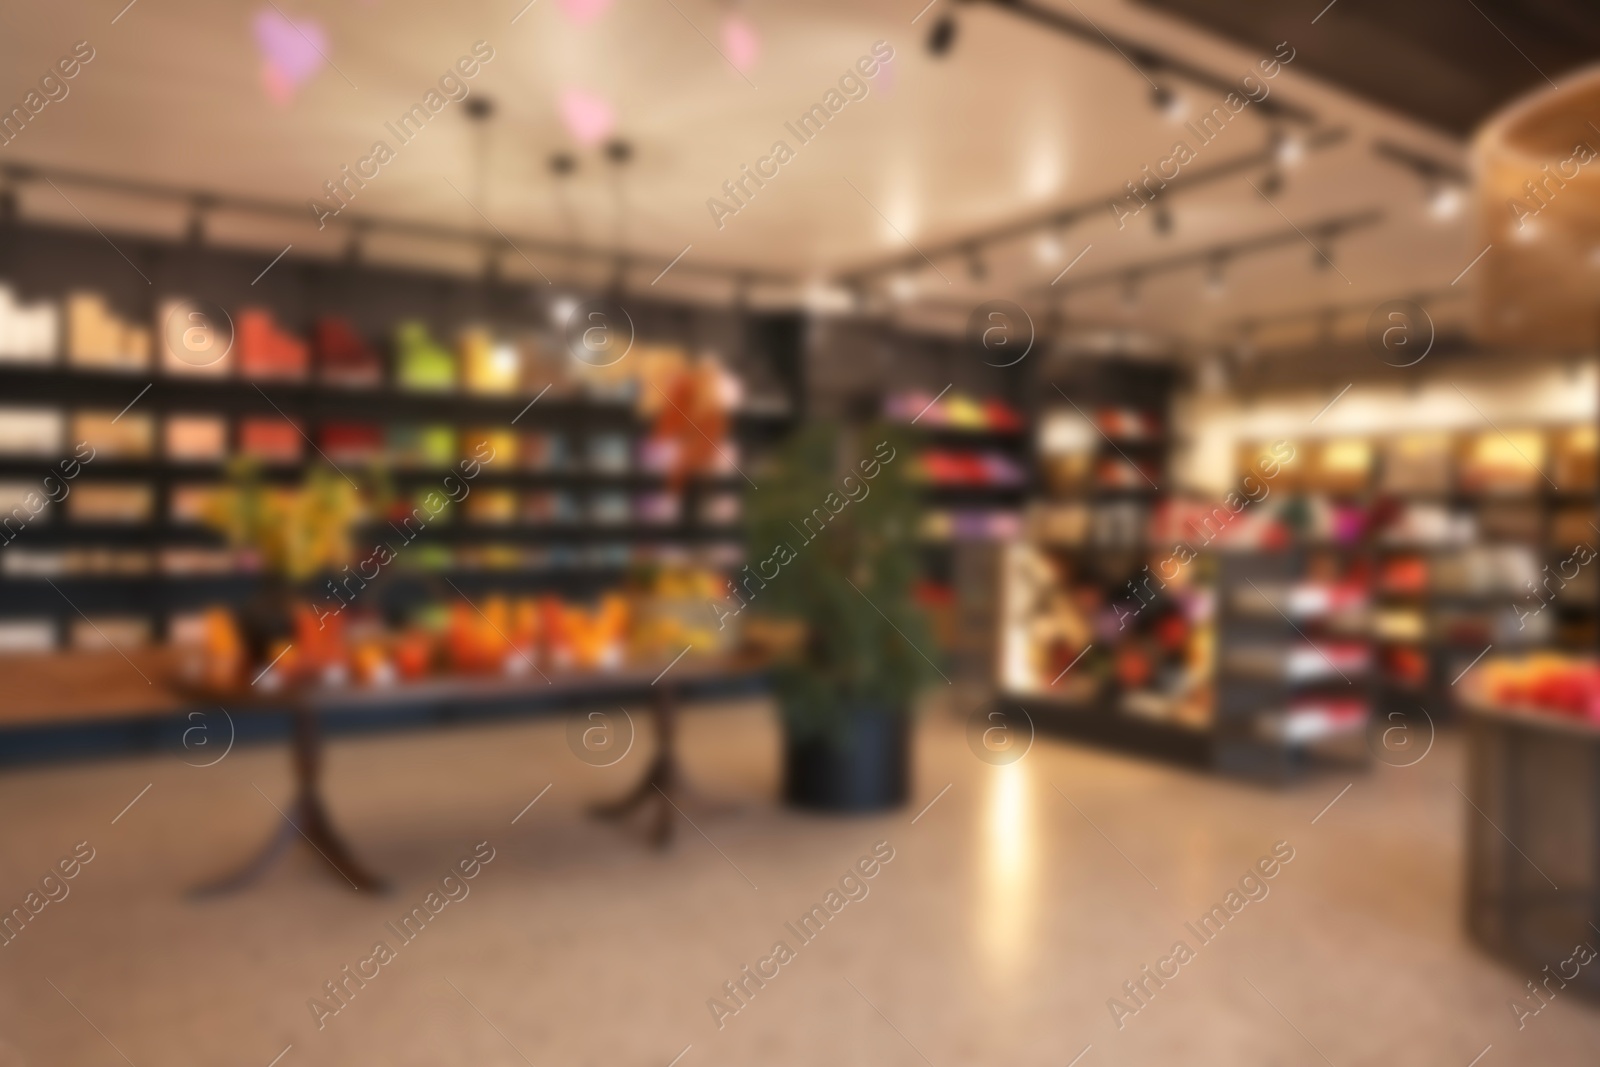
[
  {"x": 943, "y": 36},
  {"x": 1165, "y": 100},
  {"x": 977, "y": 270},
  {"x": 618, "y": 151}
]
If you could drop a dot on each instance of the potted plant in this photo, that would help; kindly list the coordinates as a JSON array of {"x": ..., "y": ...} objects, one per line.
[
  {"x": 294, "y": 534},
  {"x": 833, "y": 557}
]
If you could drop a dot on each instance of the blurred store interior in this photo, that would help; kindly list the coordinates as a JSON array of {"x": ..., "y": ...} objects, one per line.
[{"x": 1029, "y": 469}]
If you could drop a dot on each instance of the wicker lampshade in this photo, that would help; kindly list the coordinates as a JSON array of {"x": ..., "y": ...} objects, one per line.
[{"x": 1538, "y": 178}]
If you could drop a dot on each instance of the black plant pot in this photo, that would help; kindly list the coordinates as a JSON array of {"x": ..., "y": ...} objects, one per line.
[
  {"x": 267, "y": 617},
  {"x": 863, "y": 767}
]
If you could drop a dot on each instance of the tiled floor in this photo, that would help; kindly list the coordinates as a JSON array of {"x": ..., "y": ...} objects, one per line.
[{"x": 1007, "y": 918}]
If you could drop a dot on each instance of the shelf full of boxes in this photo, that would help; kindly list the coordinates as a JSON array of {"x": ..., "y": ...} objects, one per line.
[{"x": 114, "y": 439}]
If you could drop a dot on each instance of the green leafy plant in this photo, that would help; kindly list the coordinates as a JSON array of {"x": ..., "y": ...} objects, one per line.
[{"x": 846, "y": 568}]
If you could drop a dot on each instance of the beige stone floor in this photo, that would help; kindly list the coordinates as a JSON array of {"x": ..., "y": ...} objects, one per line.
[{"x": 995, "y": 936}]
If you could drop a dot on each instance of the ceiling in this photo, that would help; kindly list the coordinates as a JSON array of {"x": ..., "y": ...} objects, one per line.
[
  {"x": 1447, "y": 63},
  {"x": 1013, "y": 122}
]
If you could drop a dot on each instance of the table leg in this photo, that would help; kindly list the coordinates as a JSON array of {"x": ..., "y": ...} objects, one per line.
[
  {"x": 306, "y": 818},
  {"x": 663, "y": 784},
  {"x": 660, "y": 778}
]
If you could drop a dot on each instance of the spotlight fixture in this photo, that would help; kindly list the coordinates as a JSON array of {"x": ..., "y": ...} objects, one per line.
[
  {"x": 1162, "y": 220},
  {"x": 977, "y": 270},
  {"x": 1047, "y": 247},
  {"x": 1327, "y": 327},
  {"x": 1244, "y": 348},
  {"x": 943, "y": 36},
  {"x": 1271, "y": 182},
  {"x": 479, "y": 107},
  {"x": 618, "y": 151},
  {"x": 1322, "y": 258},
  {"x": 1172, "y": 105},
  {"x": 562, "y": 164},
  {"x": 858, "y": 297},
  {"x": 561, "y": 309},
  {"x": 355, "y": 247},
  {"x": 1288, "y": 149},
  {"x": 1216, "y": 271},
  {"x": 195, "y": 231},
  {"x": 1445, "y": 200}
]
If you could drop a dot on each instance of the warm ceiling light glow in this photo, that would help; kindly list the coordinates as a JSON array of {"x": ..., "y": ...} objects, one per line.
[
  {"x": 1446, "y": 201},
  {"x": 1290, "y": 150},
  {"x": 561, "y": 309},
  {"x": 1047, "y": 247}
]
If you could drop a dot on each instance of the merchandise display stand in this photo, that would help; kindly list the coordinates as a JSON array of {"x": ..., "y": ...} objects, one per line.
[{"x": 1533, "y": 840}]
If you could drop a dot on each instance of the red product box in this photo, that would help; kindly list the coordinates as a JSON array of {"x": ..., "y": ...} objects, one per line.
[
  {"x": 351, "y": 442},
  {"x": 266, "y": 351},
  {"x": 270, "y": 439},
  {"x": 343, "y": 356}
]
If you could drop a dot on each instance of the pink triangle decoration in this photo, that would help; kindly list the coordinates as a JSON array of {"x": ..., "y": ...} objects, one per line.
[{"x": 589, "y": 118}]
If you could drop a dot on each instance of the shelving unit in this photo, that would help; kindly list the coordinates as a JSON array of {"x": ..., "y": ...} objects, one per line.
[
  {"x": 115, "y": 570},
  {"x": 1293, "y": 665},
  {"x": 1102, "y": 461}
]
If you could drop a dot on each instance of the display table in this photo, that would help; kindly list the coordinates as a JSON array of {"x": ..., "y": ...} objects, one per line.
[
  {"x": 76, "y": 687},
  {"x": 1533, "y": 876}
]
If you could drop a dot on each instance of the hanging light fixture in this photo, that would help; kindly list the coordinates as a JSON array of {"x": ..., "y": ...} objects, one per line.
[
  {"x": 977, "y": 270},
  {"x": 942, "y": 37},
  {"x": 1130, "y": 290},
  {"x": 1169, "y": 102},
  {"x": 355, "y": 245},
  {"x": 1216, "y": 275},
  {"x": 195, "y": 230},
  {"x": 1162, "y": 220},
  {"x": 1445, "y": 200}
]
